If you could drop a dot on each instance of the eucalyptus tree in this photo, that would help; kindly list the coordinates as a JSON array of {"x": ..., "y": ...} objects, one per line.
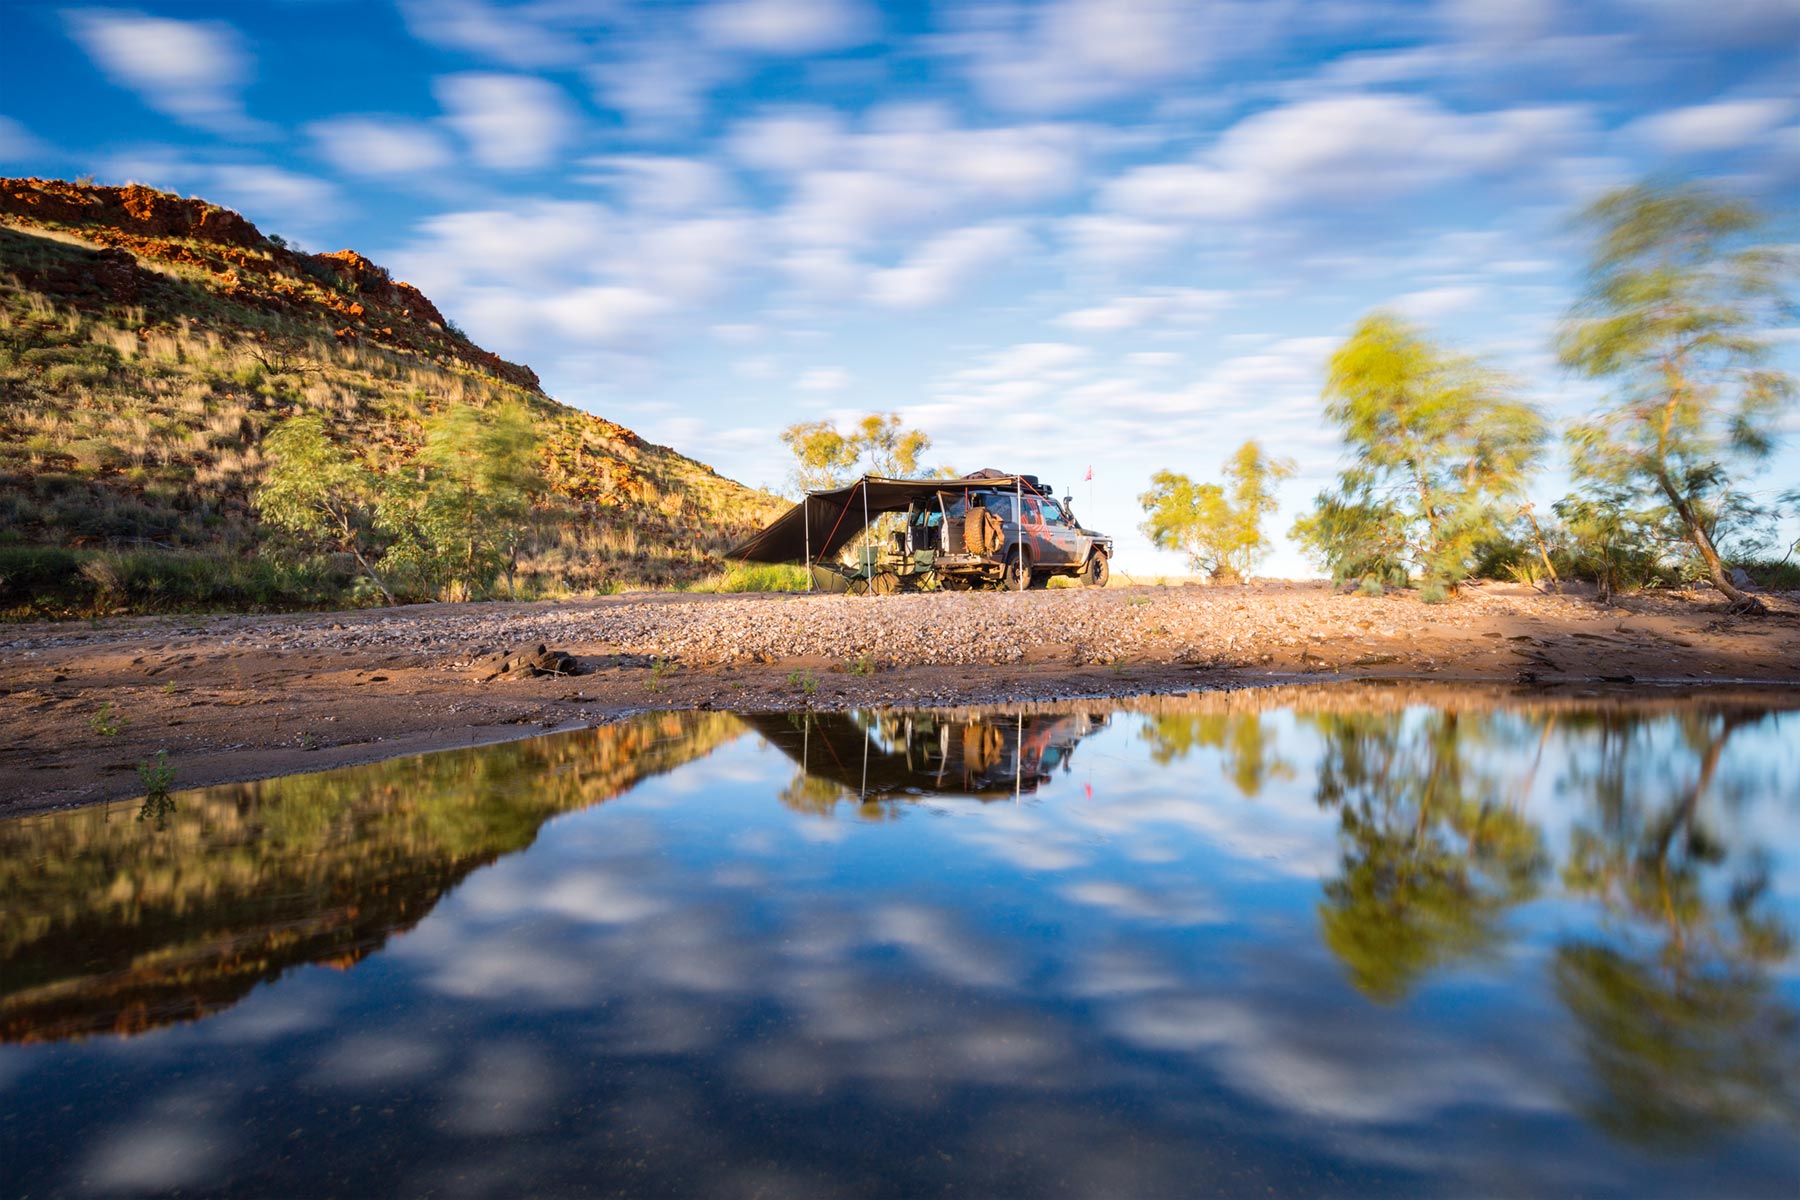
[
  {"x": 1217, "y": 526},
  {"x": 1676, "y": 315},
  {"x": 316, "y": 489},
  {"x": 879, "y": 443},
  {"x": 1441, "y": 447}
]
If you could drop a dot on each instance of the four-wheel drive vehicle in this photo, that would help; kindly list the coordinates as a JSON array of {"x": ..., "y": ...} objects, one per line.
[{"x": 984, "y": 530}]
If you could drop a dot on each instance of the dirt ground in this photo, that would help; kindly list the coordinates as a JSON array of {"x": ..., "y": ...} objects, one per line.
[{"x": 251, "y": 696}]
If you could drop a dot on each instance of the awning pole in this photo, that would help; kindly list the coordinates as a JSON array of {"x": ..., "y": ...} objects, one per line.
[
  {"x": 865, "y": 492},
  {"x": 806, "y": 518},
  {"x": 1019, "y": 520}
]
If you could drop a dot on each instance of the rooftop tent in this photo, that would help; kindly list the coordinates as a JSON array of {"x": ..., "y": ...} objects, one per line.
[{"x": 825, "y": 522}]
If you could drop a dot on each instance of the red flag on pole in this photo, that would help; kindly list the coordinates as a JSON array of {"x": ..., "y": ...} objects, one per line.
[{"x": 1089, "y": 477}]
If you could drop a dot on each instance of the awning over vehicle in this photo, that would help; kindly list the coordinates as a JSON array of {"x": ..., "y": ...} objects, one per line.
[{"x": 829, "y": 521}]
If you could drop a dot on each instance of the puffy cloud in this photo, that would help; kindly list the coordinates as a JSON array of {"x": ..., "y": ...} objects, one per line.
[
  {"x": 661, "y": 183},
  {"x": 1174, "y": 306},
  {"x": 194, "y": 71},
  {"x": 1725, "y": 125},
  {"x": 380, "y": 145},
  {"x": 823, "y": 379},
  {"x": 511, "y": 122},
  {"x": 505, "y": 35},
  {"x": 785, "y": 27},
  {"x": 932, "y": 274},
  {"x": 787, "y": 141},
  {"x": 658, "y": 84},
  {"x": 908, "y": 166},
  {"x": 1069, "y": 52},
  {"x": 1115, "y": 242},
  {"x": 1344, "y": 148}
]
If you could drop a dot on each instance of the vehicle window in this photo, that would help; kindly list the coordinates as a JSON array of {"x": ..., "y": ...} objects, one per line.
[
  {"x": 1034, "y": 512},
  {"x": 1001, "y": 506},
  {"x": 1053, "y": 513}
]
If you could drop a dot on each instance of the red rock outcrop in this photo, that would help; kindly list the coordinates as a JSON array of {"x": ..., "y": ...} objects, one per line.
[{"x": 345, "y": 291}]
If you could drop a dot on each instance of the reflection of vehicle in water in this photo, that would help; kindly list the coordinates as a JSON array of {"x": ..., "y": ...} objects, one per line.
[
  {"x": 892, "y": 755},
  {"x": 987, "y": 529}
]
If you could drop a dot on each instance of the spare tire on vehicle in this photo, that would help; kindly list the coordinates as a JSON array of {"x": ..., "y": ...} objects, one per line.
[{"x": 982, "y": 532}]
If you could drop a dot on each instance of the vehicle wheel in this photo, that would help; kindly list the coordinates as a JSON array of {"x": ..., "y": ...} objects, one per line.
[
  {"x": 1017, "y": 575},
  {"x": 1095, "y": 572},
  {"x": 884, "y": 583}
]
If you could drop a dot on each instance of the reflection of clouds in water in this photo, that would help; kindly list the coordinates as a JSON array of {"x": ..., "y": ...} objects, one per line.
[
  {"x": 1354, "y": 1064},
  {"x": 1116, "y": 971},
  {"x": 268, "y": 1016},
  {"x": 1025, "y": 838},
  {"x": 1173, "y": 905},
  {"x": 1269, "y": 836},
  {"x": 371, "y": 1060},
  {"x": 155, "y": 1156},
  {"x": 184, "y": 1145},
  {"x": 506, "y": 1088},
  {"x": 937, "y": 940}
]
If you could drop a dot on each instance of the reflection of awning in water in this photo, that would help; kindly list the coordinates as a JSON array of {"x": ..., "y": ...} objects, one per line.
[
  {"x": 922, "y": 754},
  {"x": 825, "y": 522}
]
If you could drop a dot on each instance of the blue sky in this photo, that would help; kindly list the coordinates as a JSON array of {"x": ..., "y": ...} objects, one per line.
[{"x": 1053, "y": 235}]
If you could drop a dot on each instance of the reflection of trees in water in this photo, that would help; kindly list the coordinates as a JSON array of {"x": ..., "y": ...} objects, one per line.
[
  {"x": 1246, "y": 746},
  {"x": 1679, "y": 1017},
  {"x": 1433, "y": 853},
  {"x": 878, "y": 762},
  {"x": 111, "y": 924}
]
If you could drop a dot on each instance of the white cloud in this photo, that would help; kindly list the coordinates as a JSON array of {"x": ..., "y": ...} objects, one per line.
[
  {"x": 659, "y": 84},
  {"x": 1172, "y": 306},
  {"x": 1069, "y": 52},
  {"x": 17, "y": 142},
  {"x": 1725, "y": 125},
  {"x": 511, "y": 122},
  {"x": 943, "y": 264},
  {"x": 194, "y": 71},
  {"x": 1355, "y": 148},
  {"x": 823, "y": 379},
  {"x": 602, "y": 314},
  {"x": 273, "y": 191},
  {"x": 504, "y": 35},
  {"x": 1432, "y": 303},
  {"x": 786, "y": 141},
  {"x": 1114, "y": 242},
  {"x": 909, "y": 166},
  {"x": 785, "y": 27},
  {"x": 380, "y": 145},
  {"x": 661, "y": 183}
]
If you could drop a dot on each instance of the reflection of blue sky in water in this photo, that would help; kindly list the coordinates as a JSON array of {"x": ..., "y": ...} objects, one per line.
[{"x": 693, "y": 988}]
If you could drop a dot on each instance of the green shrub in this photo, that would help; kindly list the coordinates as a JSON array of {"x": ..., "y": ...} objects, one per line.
[{"x": 756, "y": 577}]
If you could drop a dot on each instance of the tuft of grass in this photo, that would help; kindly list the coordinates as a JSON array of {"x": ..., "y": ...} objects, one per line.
[
  {"x": 755, "y": 577},
  {"x": 157, "y": 776},
  {"x": 1370, "y": 586},
  {"x": 805, "y": 682},
  {"x": 660, "y": 670},
  {"x": 108, "y": 721},
  {"x": 1433, "y": 593},
  {"x": 863, "y": 665}
]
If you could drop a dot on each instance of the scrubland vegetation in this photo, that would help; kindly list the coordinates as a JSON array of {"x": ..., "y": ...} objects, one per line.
[
  {"x": 1675, "y": 320},
  {"x": 135, "y": 444}
]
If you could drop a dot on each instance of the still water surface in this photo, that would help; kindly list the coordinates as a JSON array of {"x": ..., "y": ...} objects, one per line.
[{"x": 1303, "y": 943}]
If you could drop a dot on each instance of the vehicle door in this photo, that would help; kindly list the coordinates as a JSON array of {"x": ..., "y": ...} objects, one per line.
[
  {"x": 1059, "y": 534},
  {"x": 1044, "y": 550}
]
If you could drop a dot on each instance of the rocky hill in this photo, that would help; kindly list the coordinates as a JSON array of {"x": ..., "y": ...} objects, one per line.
[{"x": 149, "y": 342}]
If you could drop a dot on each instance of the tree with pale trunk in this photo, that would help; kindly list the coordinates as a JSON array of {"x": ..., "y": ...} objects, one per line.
[
  {"x": 1217, "y": 526},
  {"x": 1676, "y": 316},
  {"x": 1440, "y": 445}
]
